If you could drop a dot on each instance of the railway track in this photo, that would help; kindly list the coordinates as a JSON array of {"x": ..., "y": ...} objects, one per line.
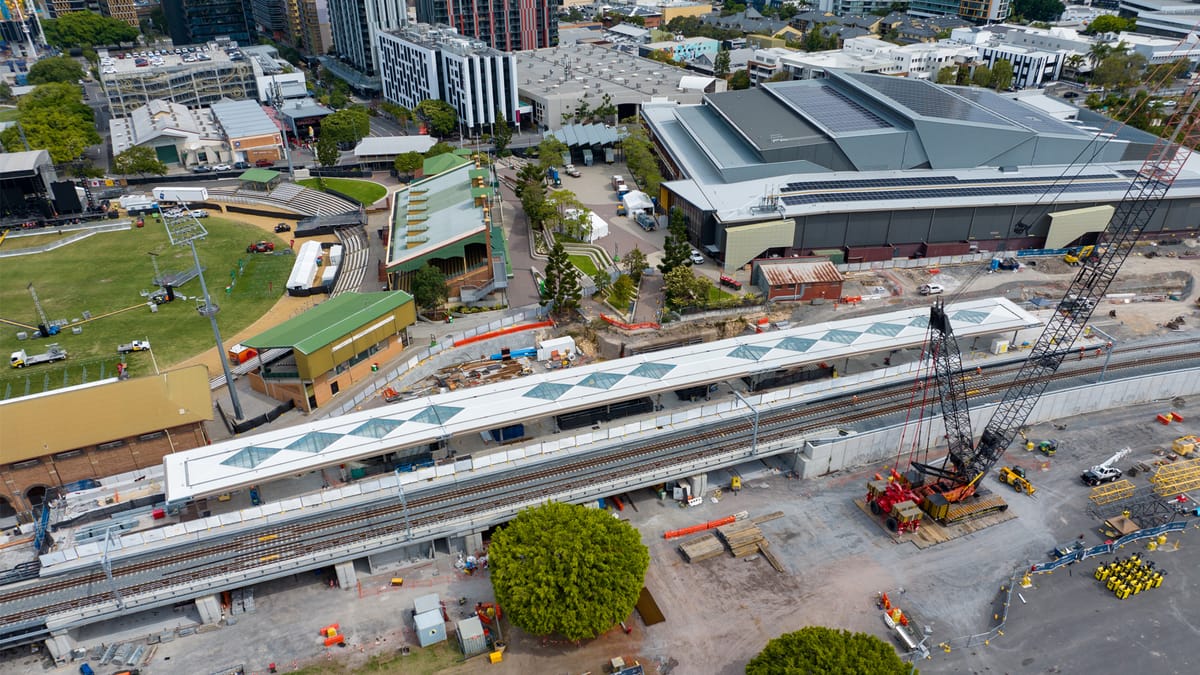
[{"x": 486, "y": 494}]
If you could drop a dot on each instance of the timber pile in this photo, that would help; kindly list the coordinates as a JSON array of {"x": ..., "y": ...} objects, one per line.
[
  {"x": 701, "y": 548},
  {"x": 764, "y": 549},
  {"x": 742, "y": 537}
]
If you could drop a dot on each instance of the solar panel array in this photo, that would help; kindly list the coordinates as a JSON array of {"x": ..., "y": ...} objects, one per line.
[
  {"x": 831, "y": 108},
  {"x": 994, "y": 190},
  {"x": 929, "y": 100},
  {"x": 1018, "y": 112}
]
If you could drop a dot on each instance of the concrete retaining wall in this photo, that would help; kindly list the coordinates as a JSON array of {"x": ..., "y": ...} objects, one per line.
[{"x": 821, "y": 456}]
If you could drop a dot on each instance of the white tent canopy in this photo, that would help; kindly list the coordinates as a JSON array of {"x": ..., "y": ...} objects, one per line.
[
  {"x": 636, "y": 200},
  {"x": 599, "y": 228}
]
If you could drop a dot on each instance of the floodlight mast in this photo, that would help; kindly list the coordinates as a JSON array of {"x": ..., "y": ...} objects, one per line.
[{"x": 186, "y": 229}]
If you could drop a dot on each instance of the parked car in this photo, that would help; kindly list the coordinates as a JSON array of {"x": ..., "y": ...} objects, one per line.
[
  {"x": 696, "y": 258},
  {"x": 222, "y": 167},
  {"x": 931, "y": 289},
  {"x": 260, "y": 247},
  {"x": 572, "y": 171},
  {"x": 201, "y": 168},
  {"x": 731, "y": 282},
  {"x": 241, "y": 165},
  {"x": 264, "y": 163},
  {"x": 200, "y": 213},
  {"x": 283, "y": 227}
]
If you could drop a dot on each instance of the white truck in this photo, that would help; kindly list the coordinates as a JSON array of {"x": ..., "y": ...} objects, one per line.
[
  {"x": 135, "y": 346},
  {"x": 1105, "y": 472},
  {"x": 20, "y": 359},
  {"x": 181, "y": 194},
  {"x": 618, "y": 182}
]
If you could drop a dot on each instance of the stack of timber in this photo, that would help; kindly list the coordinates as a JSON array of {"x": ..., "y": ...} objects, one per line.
[
  {"x": 742, "y": 537},
  {"x": 701, "y": 548}
]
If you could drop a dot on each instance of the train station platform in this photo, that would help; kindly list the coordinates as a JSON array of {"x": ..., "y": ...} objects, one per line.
[{"x": 417, "y": 423}]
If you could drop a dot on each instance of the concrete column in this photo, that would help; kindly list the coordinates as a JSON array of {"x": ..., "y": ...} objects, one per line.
[
  {"x": 60, "y": 645},
  {"x": 699, "y": 484},
  {"x": 209, "y": 607},
  {"x": 473, "y": 543},
  {"x": 347, "y": 578}
]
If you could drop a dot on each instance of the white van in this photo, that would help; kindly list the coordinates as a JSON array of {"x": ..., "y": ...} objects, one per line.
[{"x": 931, "y": 289}]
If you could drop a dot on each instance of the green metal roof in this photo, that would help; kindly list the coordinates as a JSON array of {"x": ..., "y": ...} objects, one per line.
[
  {"x": 442, "y": 163},
  {"x": 329, "y": 321},
  {"x": 258, "y": 176}
]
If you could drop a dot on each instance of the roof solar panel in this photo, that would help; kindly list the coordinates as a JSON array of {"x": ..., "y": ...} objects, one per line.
[
  {"x": 928, "y": 99},
  {"x": 830, "y": 108}
]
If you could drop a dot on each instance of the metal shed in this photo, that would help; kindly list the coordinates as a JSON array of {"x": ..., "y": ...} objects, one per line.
[
  {"x": 427, "y": 603},
  {"x": 798, "y": 279},
  {"x": 471, "y": 636},
  {"x": 431, "y": 629}
]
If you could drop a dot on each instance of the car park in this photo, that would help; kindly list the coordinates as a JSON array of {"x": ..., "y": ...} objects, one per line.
[
  {"x": 696, "y": 258},
  {"x": 260, "y": 247}
]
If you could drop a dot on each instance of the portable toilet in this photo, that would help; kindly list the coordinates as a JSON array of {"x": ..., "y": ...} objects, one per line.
[
  {"x": 471, "y": 637},
  {"x": 431, "y": 629}
]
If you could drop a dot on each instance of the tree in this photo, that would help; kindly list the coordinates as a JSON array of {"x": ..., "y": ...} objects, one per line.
[
  {"x": 1038, "y": 10},
  {"x": 683, "y": 288},
  {"x": 1108, "y": 23},
  {"x": 76, "y": 29},
  {"x": 635, "y": 263},
  {"x": 429, "y": 287},
  {"x": 439, "y": 148},
  {"x": 550, "y": 152},
  {"x": 816, "y": 649},
  {"x": 54, "y": 118},
  {"x": 639, "y": 157},
  {"x": 739, "y": 80},
  {"x": 947, "y": 75},
  {"x": 408, "y": 162},
  {"x": 327, "y": 151},
  {"x": 5, "y": 92},
  {"x": 606, "y": 111},
  {"x": 139, "y": 160},
  {"x": 1098, "y": 52},
  {"x": 502, "y": 134},
  {"x": 1002, "y": 75},
  {"x": 348, "y": 125},
  {"x": 567, "y": 570},
  {"x": 982, "y": 77},
  {"x": 623, "y": 292},
  {"x": 721, "y": 64},
  {"x": 562, "y": 283},
  {"x": 676, "y": 249},
  {"x": 1119, "y": 70},
  {"x": 439, "y": 116},
  {"x": 1072, "y": 65},
  {"x": 55, "y": 69}
]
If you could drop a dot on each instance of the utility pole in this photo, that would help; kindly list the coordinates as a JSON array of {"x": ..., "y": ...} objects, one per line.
[{"x": 277, "y": 103}]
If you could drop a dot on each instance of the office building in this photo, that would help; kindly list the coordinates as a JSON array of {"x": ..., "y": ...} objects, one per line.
[
  {"x": 271, "y": 18},
  {"x": 316, "y": 35},
  {"x": 424, "y": 62},
  {"x": 355, "y": 26},
  {"x": 978, "y": 11},
  {"x": 507, "y": 25},
  {"x": 122, "y": 10},
  {"x": 192, "y": 22}
]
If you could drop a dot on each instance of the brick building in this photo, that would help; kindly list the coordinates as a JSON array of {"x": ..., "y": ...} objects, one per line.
[
  {"x": 97, "y": 430},
  {"x": 797, "y": 279}
]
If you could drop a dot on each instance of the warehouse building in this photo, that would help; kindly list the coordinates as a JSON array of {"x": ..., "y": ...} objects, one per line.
[{"x": 869, "y": 161}]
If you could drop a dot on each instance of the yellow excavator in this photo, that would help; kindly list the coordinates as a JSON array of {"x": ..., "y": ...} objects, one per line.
[
  {"x": 1015, "y": 476},
  {"x": 1077, "y": 255}
]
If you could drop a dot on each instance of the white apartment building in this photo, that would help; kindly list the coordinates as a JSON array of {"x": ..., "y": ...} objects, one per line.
[
  {"x": 422, "y": 62},
  {"x": 1031, "y": 67}
]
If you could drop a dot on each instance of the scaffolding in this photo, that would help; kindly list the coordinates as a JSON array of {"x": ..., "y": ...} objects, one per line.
[
  {"x": 192, "y": 85},
  {"x": 1111, "y": 492}
]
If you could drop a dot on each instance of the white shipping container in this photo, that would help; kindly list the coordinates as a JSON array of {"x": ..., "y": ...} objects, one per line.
[
  {"x": 335, "y": 255},
  {"x": 129, "y": 201},
  {"x": 328, "y": 275},
  {"x": 181, "y": 194}
]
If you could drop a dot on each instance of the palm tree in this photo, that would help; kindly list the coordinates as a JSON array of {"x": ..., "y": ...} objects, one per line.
[
  {"x": 1073, "y": 62},
  {"x": 1097, "y": 53}
]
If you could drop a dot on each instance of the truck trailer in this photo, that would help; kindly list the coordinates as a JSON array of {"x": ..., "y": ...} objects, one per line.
[{"x": 19, "y": 359}]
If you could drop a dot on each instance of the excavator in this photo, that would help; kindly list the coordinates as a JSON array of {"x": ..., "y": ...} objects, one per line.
[{"x": 949, "y": 491}]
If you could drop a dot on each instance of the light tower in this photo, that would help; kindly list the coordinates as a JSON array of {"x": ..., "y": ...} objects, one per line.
[{"x": 185, "y": 230}]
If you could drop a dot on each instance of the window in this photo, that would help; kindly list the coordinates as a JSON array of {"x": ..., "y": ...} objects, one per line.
[
  {"x": 152, "y": 436},
  {"x": 111, "y": 445},
  {"x": 29, "y": 463},
  {"x": 68, "y": 454}
]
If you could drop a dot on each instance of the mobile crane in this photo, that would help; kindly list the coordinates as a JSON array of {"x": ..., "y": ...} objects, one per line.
[{"x": 945, "y": 491}]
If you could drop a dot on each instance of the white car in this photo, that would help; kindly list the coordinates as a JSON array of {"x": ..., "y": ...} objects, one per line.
[
  {"x": 931, "y": 289},
  {"x": 696, "y": 258},
  {"x": 222, "y": 167},
  {"x": 200, "y": 213}
]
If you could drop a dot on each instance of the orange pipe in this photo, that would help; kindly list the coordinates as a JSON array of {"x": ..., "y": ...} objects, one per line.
[
  {"x": 503, "y": 331},
  {"x": 671, "y": 534}
]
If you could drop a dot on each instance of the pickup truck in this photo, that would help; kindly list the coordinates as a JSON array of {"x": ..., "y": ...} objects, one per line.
[
  {"x": 135, "y": 346},
  {"x": 646, "y": 221},
  {"x": 571, "y": 171}
]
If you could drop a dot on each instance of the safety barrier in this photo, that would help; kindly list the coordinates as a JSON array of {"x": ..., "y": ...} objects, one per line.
[{"x": 629, "y": 326}]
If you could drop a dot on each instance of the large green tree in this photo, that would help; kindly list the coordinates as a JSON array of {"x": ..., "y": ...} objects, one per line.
[
  {"x": 563, "y": 291},
  {"x": 531, "y": 190},
  {"x": 327, "y": 151},
  {"x": 55, "y": 69},
  {"x": 76, "y": 29},
  {"x": 439, "y": 116},
  {"x": 1119, "y": 70},
  {"x": 683, "y": 288},
  {"x": 676, "y": 249},
  {"x": 947, "y": 75},
  {"x": 740, "y": 80},
  {"x": 982, "y": 76},
  {"x": 721, "y": 64},
  {"x": 54, "y": 118},
  {"x": 347, "y": 125},
  {"x": 1002, "y": 75},
  {"x": 562, "y": 569},
  {"x": 429, "y": 287},
  {"x": 640, "y": 158},
  {"x": 502, "y": 134},
  {"x": 140, "y": 160},
  {"x": 1038, "y": 10},
  {"x": 817, "y": 649},
  {"x": 408, "y": 162},
  {"x": 634, "y": 263},
  {"x": 1108, "y": 23}
]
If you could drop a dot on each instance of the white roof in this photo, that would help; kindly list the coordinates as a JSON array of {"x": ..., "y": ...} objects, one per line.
[
  {"x": 373, "y": 146},
  {"x": 695, "y": 82},
  {"x": 259, "y": 458},
  {"x": 636, "y": 199}
]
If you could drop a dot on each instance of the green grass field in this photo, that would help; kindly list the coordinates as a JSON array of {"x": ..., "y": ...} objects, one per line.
[
  {"x": 715, "y": 294},
  {"x": 106, "y": 273},
  {"x": 585, "y": 264},
  {"x": 364, "y": 191},
  {"x": 8, "y": 114},
  {"x": 11, "y": 242}
]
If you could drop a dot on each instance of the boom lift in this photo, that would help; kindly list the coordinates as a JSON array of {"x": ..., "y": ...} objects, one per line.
[{"x": 945, "y": 491}]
